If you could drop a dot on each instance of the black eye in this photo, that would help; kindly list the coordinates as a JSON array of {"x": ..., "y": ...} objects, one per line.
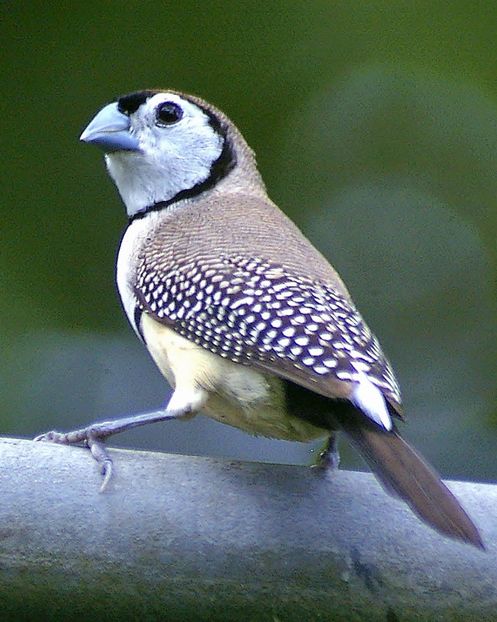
[{"x": 169, "y": 113}]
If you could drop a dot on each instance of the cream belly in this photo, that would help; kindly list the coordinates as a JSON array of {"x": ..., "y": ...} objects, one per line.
[{"x": 226, "y": 391}]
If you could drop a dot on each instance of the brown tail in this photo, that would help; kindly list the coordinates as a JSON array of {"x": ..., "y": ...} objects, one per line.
[{"x": 404, "y": 473}]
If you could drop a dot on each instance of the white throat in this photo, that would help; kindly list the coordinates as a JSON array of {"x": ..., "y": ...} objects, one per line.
[
  {"x": 170, "y": 160},
  {"x": 142, "y": 183}
]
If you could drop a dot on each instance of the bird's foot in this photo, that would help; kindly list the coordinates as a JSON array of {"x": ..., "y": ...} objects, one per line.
[
  {"x": 93, "y": 437},
  {"x": 329, "y": 458}
]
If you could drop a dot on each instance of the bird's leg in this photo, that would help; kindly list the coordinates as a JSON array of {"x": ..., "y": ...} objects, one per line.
[
  {"x": 180, "y": 405},
  {"x": 329, "y": 458}
]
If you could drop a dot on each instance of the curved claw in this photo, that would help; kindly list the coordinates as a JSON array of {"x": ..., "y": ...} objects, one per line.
[
  {"x": 99, "y": 452},
  {"x": 107, "y": 470}
]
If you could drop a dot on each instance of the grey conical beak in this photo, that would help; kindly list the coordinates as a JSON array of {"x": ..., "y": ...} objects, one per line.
[{"x": 109, "y": 130}]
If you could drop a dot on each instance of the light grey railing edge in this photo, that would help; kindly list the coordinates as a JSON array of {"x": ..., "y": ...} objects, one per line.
[{"x": 190, "y": 538}]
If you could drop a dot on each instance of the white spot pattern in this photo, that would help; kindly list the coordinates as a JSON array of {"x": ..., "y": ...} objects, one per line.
[{"x": 248, "y": 309}]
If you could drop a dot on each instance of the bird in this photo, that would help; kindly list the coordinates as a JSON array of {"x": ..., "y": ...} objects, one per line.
[{"x": 246, "y": 320}]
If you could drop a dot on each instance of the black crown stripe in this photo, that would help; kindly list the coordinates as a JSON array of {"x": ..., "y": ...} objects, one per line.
[{"x": 128, "y": 104}]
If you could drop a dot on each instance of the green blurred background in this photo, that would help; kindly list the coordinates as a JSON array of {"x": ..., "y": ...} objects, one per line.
[{"x": 375, "y": 127}]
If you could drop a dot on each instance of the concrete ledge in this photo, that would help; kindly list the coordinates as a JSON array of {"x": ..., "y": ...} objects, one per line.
[{"x": 188, "y": 538}]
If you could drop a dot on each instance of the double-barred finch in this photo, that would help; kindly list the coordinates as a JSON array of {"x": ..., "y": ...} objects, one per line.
[{"x": 244, "y": 317}]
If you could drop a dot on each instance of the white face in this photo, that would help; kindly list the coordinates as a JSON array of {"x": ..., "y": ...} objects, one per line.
[{"x": 178, "y": 146}]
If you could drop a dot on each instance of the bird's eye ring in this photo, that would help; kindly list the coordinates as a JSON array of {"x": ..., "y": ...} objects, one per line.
[{"x": 168, "y": 113}]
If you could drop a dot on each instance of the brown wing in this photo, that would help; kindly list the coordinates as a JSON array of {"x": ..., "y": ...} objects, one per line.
[{"x": 262, "y": 314}]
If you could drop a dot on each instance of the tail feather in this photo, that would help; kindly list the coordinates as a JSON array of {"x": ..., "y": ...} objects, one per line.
[{"x": 404, "y": 473}]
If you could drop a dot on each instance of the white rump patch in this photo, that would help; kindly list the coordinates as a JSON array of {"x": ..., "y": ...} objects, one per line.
[{"x": 370, "y": 400}]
